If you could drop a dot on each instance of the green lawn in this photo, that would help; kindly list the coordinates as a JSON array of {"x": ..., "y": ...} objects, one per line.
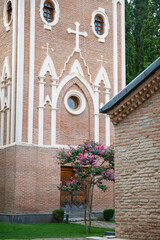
[{"x": 47, "y": 230}]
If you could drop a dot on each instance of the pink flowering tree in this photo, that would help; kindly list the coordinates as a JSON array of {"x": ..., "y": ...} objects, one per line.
[{"x": 93, "y": 165}]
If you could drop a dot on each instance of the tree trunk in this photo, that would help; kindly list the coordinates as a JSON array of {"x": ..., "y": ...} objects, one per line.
[{"x": 90, "y": 207}]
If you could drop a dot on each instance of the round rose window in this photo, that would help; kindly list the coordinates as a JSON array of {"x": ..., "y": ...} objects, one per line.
[{"x": 75, "y": 102}]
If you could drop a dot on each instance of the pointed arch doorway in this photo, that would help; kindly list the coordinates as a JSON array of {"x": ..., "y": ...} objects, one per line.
[{"x": 72, "y": 202}]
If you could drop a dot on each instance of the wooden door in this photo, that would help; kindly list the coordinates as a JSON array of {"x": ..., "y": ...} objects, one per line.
[{"x": 72, "y": 202}]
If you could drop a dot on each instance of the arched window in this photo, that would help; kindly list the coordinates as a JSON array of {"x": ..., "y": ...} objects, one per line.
[
  {"x": 48, "y": 11},
  {"x": 9, "y": 11},
  {"x": 7, "y": 14},
  {"x": 99, "y": 25}
]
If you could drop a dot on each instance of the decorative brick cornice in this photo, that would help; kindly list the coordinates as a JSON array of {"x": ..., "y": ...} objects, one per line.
[{"x": 135, "y": 99}]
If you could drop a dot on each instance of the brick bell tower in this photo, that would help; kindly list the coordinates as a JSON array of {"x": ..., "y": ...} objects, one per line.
[{"x": 60, "y": 62}]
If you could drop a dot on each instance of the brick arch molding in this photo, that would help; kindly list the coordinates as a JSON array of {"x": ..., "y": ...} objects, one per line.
[{"x": 85, "y": 83}]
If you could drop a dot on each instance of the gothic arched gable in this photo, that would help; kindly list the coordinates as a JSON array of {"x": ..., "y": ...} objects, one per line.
[
  {"x": 76, "y": 64},
  {"x": 74, "y": 129}
]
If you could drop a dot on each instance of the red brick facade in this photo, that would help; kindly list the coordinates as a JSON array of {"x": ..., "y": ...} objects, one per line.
[{"x": 29, "y": 143}]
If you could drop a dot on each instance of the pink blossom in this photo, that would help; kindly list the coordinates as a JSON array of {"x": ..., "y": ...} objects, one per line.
[
  {"x": 87, "y": 140},
  {"x": 94, "y": 163},
  {"x": 80, "y": 154},
  {"x": 98, "y": 147},
  {"x": 85, "y": 157},
  {"x": 87, "y": 161},
  {"x": 92, "y": 157},
  {"x": 100, "y": 152}
]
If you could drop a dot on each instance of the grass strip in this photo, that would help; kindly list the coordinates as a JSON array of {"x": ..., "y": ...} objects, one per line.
[{"x": 47, "y": 230}]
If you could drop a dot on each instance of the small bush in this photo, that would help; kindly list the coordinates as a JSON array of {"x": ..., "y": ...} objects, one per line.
[
  {"x": 108, "y": 214},
  {"x": 58, "y": 214}
]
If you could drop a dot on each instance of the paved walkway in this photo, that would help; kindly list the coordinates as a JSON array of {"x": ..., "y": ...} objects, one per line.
[{"x": 99, "y": 224}]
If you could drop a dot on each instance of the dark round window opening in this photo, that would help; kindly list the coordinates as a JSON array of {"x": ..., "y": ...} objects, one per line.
[
  {"x": 48, "y": 11},
  {"x": 99, "y": 24},
  {"x": 73, "y": 102},
  {"x": 9, "y": 11}
]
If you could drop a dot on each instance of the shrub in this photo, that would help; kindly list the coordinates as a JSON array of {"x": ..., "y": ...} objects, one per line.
[
  {"x": 58, "y": 214},
  {"x": 108, "y": 214}
]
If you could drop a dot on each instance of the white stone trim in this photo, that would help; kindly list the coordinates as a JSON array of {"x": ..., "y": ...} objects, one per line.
[
  {"x": 8, "y": 112},
  {"x": 123, "y": 54},
  {"x": 78, "y": 34},
  {"x": 108, "y": 128},
  {"x": 14, "y": 49},
  {"x": 92, "y": 94},
  {"x": 5, "y": 101},
  {"x": 20, "y": 70},
  {"x": 100, "y": 11},
  {"x": 2, "y": 115},
  {"x": 47, "y": 100},
  {"x": 31, "y": 71},
  {"x": 90, "y": 77},
  {"x": 115, "y": 46},
  {"x": 96, "y": 116},
  {"x": 76, "y": 68},
  {"x": 115, "y": 49},
  {"x": 53, "y": 112},
  {"x": 85, "y": 64},
  {"x": 82, "y": 101},
  {"x": 2, "y": 129},
  {"x": 5, "y": 16},
  {"x": 49, "y": 25},
  {"x": 47, "y": 65},
  {"x": 41, "y": 112},
  {"x": 102, "y": 76},
  {"x": 85, "y": 83},
  {"x": 6, "y": 71},
  {"x": 26, "y": 144}
]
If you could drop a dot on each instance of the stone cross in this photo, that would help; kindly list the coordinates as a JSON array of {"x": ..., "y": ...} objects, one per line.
[
  {"x": 47, "y": 48},
  {"x": 78, "y": 34},
  {"x": 101, "y": 60}
]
